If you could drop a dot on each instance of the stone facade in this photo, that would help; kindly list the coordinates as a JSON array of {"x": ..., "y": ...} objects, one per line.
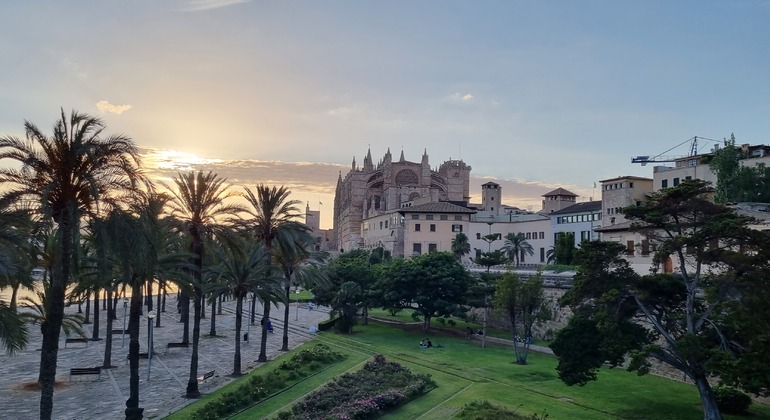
[{"x": 374, "y": 190}]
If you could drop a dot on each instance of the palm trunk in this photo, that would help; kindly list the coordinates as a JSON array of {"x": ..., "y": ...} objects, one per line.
[
  {"x": 184, "y": 301},
  {"x": 108, "y": 344},
  {"x": 192, "y": 383},
  {"x": 158, "y": 311},
  {"x": 52, "y": 326},
  {"x": 285, "y": 346},
  {"x": 263, "y": 344},
  {"x": 213, "y": 329},
  {"x": 238, "y": 315},
  {"x": 88, "y": 308},
  {"x": 219, "y": 305},
  {"x": 133, "y": 412},
  {"x": 95, "y": 331}
]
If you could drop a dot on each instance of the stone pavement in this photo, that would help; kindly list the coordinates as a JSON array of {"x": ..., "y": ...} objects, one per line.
[{"x": 91, "y": 397}]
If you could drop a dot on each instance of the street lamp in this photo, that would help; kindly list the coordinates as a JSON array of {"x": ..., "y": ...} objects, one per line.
[
  {"x": 150, "y": 316},
  {"x": 125, "y": 309}
]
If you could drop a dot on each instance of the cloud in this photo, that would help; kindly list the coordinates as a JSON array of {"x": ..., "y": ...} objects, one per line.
[
  {"x": 461, "y": 97},
  {"x": 106, "y": 106},
  {"x": 202, "y": 5}
]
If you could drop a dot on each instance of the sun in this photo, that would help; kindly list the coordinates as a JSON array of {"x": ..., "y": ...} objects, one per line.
[{"x": 174, "y": 160}]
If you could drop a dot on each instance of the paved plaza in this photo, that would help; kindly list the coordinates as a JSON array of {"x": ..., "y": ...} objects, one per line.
[{"x": 91, "y": 397}]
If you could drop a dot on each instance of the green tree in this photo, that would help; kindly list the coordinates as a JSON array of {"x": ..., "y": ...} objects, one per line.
[
  {"x": 460, "y": 245},
  {"x": 199, "y": 202},
  {"x": 563, "y": 251},
  {"x": 516, "y": 245},
  {"x": 434, "y": 285},
  {"x": 299, "y": 263},
  {"x": 13, "y": 334},
  {"x": 523, "y": 303},
  {"x": 241, "y": 269},
  {"x": 349, "y": 276},
  {"x": 65, "y": 176},
  {"x": 737, "y": 182},
  {"x": 686, "y": 320},
  {"x": 269, "y": 209}
]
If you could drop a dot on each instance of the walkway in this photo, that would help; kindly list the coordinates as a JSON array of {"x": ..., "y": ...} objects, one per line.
[{"x": 87, "y": 397}]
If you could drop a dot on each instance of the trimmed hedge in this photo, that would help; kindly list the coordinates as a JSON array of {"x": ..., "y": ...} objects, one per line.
[
  {"x": 327, "y": 325},
  {"x": 258, "y": 387},
  {"x": 731, "y": 400}
]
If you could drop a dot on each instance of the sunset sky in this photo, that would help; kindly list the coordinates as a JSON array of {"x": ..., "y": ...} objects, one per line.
[{"x": 532, "y": 94}]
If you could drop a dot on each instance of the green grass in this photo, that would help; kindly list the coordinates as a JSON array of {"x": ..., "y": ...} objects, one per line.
[
  {"x": 465, "y": 372},
  {"x": 302, "y": 296}
]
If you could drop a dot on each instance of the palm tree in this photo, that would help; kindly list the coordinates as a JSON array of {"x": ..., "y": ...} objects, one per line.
[
  {"x": 295, "y": 256},
  {"x": 65, "y": 176},
  {"x": 241, "y": 269},
  {"x": 516, "y": 245},
  {"x": 270, "y": 208},
  {"x": 199, "y": 203},
  {"x": 13, "y": 334},
  {"x": 460, "y": 245}
]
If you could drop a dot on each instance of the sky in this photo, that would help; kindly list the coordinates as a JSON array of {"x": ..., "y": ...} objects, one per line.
[{"x": 534, "y": 95}]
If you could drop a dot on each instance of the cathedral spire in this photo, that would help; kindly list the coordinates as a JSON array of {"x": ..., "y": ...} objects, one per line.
[
  {"x": 425, "y": 156},
  {"x": 368, "y": 164},
  {"x": 401, "y": 159},
  {"x": 353, "y": 166}
]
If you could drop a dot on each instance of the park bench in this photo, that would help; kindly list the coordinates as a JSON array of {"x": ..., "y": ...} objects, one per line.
[
  {"x": 75, "y": 340},
  {"x": 177, "y": 345},
  {"x": 206, "y": 375},
  {"x": 119, "y": 331},
  {"x": 86, "y": 371}
]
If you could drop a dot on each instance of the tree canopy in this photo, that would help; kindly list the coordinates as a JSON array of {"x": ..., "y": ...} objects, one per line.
[
  {"x": 433, "y": 284},
  {"x": 696, "y": 319}
]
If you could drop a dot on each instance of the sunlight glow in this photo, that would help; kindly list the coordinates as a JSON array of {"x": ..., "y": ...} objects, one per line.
[{"x": 174, "y": 160}]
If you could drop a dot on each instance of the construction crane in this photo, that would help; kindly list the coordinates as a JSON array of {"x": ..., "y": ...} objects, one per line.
[{"x": 662, "y": 157}]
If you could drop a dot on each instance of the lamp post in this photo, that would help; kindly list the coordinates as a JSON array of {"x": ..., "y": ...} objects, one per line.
[
  {"x": 125, "y": 309},
  {"x": 150, "y": 316}
]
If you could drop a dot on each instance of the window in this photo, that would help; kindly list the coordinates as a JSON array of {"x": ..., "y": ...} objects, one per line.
[
  {"x": 478, "y": 235},
  {"x": 630, "y": 185},
  {"x": 521, "y": 257},
  {"x": 432, "y": 227},
  {"x": 416, "y": 249},
  {"x": 492, "y": 209},
  {"x": 542, "y": 235},
  {"x": 380, "y": 224},
  {"x": 664, "y": 183},
  {"x": 458, "y": 217},
  {"x": 630, "y": 248},
  {"x": 415, "y": 217},
  {"x": 428, "y": 217},
  {"x": 444, "y": 217},
  {"x": 457, "y": 228},
  {"x": 688, "y": 177},
  {"x": 386, "y": 224},
  {"x": 529, "y": 235},
  {"x": 432, "y": 248},
  {"x": 676, "y": 181},
  {"x": 534, "y": 235},
  {"x": 416, "y": 227},
  {"x": 542, "y": 254}
]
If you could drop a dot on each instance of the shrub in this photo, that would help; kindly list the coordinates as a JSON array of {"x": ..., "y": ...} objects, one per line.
[
  {"x": 731, "y": 400},
  {"x": 327, "y": 325}
]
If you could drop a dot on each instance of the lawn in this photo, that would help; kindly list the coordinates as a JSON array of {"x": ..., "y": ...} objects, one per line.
[{"x": 466, "y": 372}]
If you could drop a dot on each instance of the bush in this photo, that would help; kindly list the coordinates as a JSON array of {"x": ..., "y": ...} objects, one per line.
[
  {"x": 327, "y": 325},
  {"x": 731, "y": 400}
]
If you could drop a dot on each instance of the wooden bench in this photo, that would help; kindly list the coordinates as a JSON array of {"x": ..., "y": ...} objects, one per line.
[
  {"x": 206, "y": 375},
  {"x": 86, "y": 371},
  {"x": 177, "y": 345},
  {"x": 75, "y": 340},
  {"x": 119, "y": 331}
]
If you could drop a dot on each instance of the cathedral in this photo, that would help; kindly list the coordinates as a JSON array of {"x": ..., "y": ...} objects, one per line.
[{"x": 385, "y": 187}]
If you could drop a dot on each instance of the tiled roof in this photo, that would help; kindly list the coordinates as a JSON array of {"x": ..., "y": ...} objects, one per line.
[
  {"x": 560, "y": 191},
  {"x": 585, "y": 207},
  {"x": 439, "y": 207}
]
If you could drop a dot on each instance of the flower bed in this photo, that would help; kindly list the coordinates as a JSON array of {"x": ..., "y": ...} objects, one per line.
[
  {"x": 378, "y": 387},
  {"x": 302, "y": 364}
]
